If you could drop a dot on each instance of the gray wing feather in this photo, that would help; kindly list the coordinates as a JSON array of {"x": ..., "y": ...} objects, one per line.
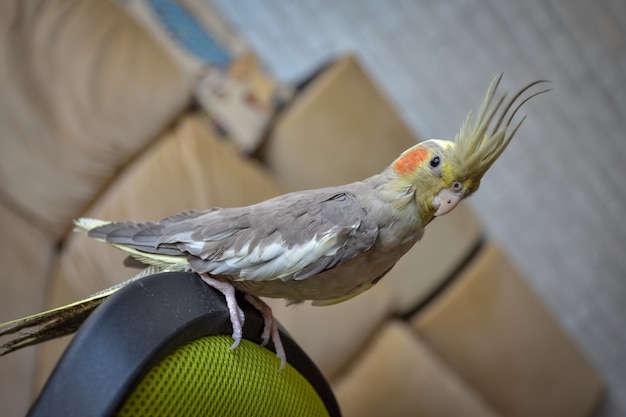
[
  {"x": 143, "y": 236},
  {"x": 293, "y": 236}
]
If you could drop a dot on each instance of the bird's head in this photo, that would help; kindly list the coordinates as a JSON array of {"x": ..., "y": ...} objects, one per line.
[{"x": 441, "y": 173}]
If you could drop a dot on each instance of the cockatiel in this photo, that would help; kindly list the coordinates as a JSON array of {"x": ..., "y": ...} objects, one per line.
[{"x": 326, "y": 245}]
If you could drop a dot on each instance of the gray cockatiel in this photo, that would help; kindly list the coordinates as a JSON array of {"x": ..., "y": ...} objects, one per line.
[{"x": 325, "y": 245}]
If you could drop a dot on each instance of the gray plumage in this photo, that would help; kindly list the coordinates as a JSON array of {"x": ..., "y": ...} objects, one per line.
[
  {"x": 324, "y": 245},
  {"x": 293, "y": 246}
]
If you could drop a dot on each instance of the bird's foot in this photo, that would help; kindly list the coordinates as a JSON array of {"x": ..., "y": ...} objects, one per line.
[
  {"x": 237, "y": 317},
  {"x": 270, "y": 328}
]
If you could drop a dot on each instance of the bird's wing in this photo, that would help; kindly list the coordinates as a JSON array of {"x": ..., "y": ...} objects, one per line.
[
  {"x": 294, "y": 236},
  {"x": 142, "y": 236}
]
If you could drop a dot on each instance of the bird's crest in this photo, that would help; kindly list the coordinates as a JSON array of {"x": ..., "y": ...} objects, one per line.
[{"x": 483, "y": 138}]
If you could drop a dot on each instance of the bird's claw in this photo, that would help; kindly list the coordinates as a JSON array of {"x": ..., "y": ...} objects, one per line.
[
  {"x": 237, "y": 326},
  {"x": 270, "y": 329},
  {"x": 237, "y": 317}
]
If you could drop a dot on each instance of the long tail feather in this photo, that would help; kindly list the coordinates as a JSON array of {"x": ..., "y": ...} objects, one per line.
[
  {"x": 67, "y": 319},
  {"x": 57, "y": 322},
  {"x": 49, "y": 324}
]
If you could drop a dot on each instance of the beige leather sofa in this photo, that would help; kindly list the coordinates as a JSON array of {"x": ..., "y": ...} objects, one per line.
[{"x": 95, "y": 120}]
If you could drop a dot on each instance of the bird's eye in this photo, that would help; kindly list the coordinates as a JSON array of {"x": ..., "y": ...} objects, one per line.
[
  {"x": 457, "y": 186},
  {"x": 435, "y": 162}
]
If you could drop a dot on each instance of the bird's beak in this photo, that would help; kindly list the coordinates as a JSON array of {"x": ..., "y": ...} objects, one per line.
[{"x": 445, "y": 201}]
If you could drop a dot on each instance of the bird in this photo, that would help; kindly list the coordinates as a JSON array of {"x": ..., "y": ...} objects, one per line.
[{"x": 323, "y": 245}]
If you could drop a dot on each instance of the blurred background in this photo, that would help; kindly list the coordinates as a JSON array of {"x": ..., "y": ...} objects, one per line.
[
  {"x": 557, "y": 198},
  {"x": 107, "y": 107}
]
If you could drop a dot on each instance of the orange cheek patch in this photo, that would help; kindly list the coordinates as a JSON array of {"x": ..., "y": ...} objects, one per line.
[{"x": 408, "y": 162}]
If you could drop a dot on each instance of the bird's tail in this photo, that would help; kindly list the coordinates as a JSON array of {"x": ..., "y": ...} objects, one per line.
[
  {"x": 85, "y": 224},
  {"x": 48, "y": 325},
  {"x": 67, "y": 319},
  {"x": 57, "y": 322}
]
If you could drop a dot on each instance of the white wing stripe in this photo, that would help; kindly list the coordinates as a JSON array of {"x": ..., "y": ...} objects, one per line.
[{"x": 276, "y": 261}]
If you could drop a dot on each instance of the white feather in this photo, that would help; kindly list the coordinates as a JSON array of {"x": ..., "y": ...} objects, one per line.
[
  {"x": 85, "y": 224},
  {"x": 276, "y": 260}
]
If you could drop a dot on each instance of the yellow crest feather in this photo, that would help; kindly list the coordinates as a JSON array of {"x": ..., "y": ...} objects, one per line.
[{"x": 483, "y": 138}]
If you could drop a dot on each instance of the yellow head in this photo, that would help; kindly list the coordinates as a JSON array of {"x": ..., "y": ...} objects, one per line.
[{"x": 442, "y": 173}]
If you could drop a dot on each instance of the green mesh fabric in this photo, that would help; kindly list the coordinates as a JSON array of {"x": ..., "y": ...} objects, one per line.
[{"x": 206, "y": 378}]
